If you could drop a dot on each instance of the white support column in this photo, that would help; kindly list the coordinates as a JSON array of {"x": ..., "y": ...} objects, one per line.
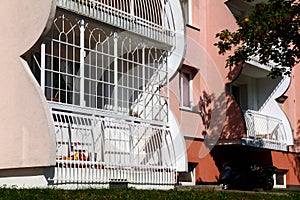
[
  {"x": 132, "y": 7},
  {"x": 43, "y": 67},
  {"x": 190, "y": 12},
  {"x": 162, "y": 12},
  {"x": 82, "y": 52},
  {"x": 168, "y": 88},
  {"x": 116, "y": 71},
  {"x": 144, "y": 81}
]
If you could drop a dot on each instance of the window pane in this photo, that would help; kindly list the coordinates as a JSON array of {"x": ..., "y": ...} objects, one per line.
[
  {"x": 279, "y": 179},
  {"x": 185, "y": 89},
  {"x": 185, "y": 9}
]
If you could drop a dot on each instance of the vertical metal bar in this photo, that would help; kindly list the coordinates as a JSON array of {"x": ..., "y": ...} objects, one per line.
[
  {"x": 51, "y": 73},
  {"x": 132, "y": 7},
  {"x": 66, "y": 69},
  {"x": 162, "y": 13},
  {"x": 254, "y": 129},
  {"x": 73, "y": 74},
  {"x": 43, "y": 67},
  {"x": 116, "y": 71},
  {"x": 82, "y": 103},
  {"x": 102, "y": 95},
  {"x": 144, "y": 79},
  {"x": 168, "y": 90},
  {"x": 268, "y": 124}
]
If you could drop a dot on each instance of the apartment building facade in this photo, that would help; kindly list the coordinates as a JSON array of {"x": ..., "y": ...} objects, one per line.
[
  {"x": 235, "y": 115},
  {"x": 132, "y": 93}
]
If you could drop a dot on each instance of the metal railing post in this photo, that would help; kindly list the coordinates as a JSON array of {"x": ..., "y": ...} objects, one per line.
[
  {"x": 144, "y": 80},
  {"x": 115, "y": 71},
  {"x": 82, "y": 52},
  {"x": 43, "y": 67}
]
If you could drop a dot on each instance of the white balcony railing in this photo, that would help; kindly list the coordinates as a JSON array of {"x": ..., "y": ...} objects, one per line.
[
  {"x": 265, "y": 131},
  {"x": 150, "y": 18},
  {"x": 96, "y": 150}
]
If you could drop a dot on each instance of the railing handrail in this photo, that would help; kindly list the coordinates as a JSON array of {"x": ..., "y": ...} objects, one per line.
[
  {"x": 96, "y": 112},
  {"x": 261, "y": 115},
  {"x": 161, "y": 28},
  {"x": 271, "y": 133},
  {"x": 97, "y": 149},
  {"x": 264, "y": 131}
]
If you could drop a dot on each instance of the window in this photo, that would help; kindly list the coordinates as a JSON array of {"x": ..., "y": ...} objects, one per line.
[
  {"x": 187, "y": 11},
  {"x": 186, "y": 97},
  {"x": 280, "y": 179},
  {"x": 240, "y": 94},
  {"x": 189, "y": 177}
]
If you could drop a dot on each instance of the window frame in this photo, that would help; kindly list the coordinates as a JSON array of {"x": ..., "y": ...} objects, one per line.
[
  {"x": 243, "y": 92},
  {"x": 188, "y": 17},
  {"x": 283, "y": 173},
  {"x": 190, "y": 89}
]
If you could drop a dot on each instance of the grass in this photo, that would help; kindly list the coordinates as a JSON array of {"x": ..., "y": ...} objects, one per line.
[{"x": 89, "y": 194}]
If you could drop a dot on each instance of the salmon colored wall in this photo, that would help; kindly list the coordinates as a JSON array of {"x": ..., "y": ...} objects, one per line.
[
  {"x": 290, "y": 162},
  {"x": 195, "y": 9},
  {"x": 206, "y": 170},
  {"x": 203, "y": 55},
  {"x": 189, "y": 122},
  {"x": 234, "y": 126},
  {"x": 218, "y": 18},
  {"x": 292, "y": 106}
]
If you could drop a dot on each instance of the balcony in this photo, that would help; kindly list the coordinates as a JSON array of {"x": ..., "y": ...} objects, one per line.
[
  {"x": 152, "y": 19},
  {"x": 266, "y": 123},
  {"x": 107, "y": 91},
  {"x": 264, "y": 131},
  {"x": 100, "y": 149}
]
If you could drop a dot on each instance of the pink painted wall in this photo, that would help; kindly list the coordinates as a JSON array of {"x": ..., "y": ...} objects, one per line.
[
  {"x": 211, "y": 17},
  {"x": 206, "y": 170},
  {"x": 202, "y": 55},
  {"x": 290, "y": 162},
  {"x": 292, "y": 106}
]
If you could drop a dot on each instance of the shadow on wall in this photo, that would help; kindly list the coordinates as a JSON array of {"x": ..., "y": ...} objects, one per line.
[
  {"x": 297, "y": 137},
  {"x": 213, "y": 115},
  {"x": 205, "y": 110},
  {"x": 233, "y": 127}
]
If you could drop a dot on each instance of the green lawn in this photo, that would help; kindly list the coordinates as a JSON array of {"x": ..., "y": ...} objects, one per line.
[{"x": 132, "y": 194}]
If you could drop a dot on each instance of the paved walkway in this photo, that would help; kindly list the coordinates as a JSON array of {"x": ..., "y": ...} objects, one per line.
[
  {"x": 199, "y": 187},
  {"x": 219, "y": 188}
]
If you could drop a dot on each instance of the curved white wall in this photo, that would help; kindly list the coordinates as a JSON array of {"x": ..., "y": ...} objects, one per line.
[
  {"x": 26, "y": 128},
  {"x": 179, "y": 50},
  {"x": 272, "y": 108}
]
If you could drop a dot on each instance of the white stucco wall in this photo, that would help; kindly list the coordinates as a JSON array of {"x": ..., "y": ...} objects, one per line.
[{"x": 26, "y": 128}]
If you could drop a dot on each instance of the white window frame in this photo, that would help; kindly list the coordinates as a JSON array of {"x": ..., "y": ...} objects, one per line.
[
  {"x": 190, "y": 10},
  {"x": 190, "y": 89},
  {"x": 277, "y": 185},
  {"x": 189, "y": 15}
]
